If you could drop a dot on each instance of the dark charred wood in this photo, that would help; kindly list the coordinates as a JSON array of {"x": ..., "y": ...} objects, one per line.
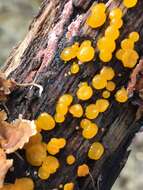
[{"x": 117, "y": 126}]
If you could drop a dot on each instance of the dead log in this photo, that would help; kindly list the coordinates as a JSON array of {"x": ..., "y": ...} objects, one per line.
[{"x": 37, "y": 59}]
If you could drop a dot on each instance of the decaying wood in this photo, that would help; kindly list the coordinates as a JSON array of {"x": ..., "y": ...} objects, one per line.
[{"x": 36, "y": 59}]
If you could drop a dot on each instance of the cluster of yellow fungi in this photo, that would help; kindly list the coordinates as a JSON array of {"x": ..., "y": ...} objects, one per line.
[
  {"x": 41, "y": 154},
  {"x": 20, "y": 184}
]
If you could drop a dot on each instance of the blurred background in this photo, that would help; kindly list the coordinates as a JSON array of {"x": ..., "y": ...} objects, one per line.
[{"x": 15, "y": 17}]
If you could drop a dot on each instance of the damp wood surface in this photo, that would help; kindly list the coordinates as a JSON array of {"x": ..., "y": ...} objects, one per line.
[{"x": 35, "y": 59}]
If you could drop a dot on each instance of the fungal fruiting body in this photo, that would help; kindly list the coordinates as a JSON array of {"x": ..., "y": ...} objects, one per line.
[
  {"x": 107, "y": 44},
  {"x": 69, "y": 186},
  {"x": 70, "y": 159},
  {"x": 20, "y": 184},
  {"x": 45, "y": 121},
  {"x": 127, "y": 53},
  {"x": 121, "y": 95},
  {"x": 130, "y": 3},
  {"x": 55, "y": 144},
  {"x": 62, "y": 107},
  {"x": 98, "y": 16},
  {"x": 76, "y": 110},
  {"x": 83, "y": 170},
  {"x": 90, "y": 130},
  {"x": 49, "y": 166},
  {"x": 96, "y": 151},
  {"x": 84, "y": 92}
]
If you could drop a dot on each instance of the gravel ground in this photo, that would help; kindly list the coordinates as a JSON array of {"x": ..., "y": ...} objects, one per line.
[{"x": 15, "y": 16}]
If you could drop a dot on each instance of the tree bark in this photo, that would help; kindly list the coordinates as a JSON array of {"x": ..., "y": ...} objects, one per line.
[{"x": 37, "y": 59}]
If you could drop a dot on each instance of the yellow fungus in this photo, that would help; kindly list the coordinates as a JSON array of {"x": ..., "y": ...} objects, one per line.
[
  {"x": 76, "y": 110},
  {"x": 84, "y": 92},
  {"x": 61, "y": 108},
  {"x": 127, "y": 44},
  {"x": 66, "y": 99},
  {"x": 90, "y": 131},
  {"x": 69, "y": 186},
  {"x": 96, "y": 151},
  {"x": 117, "y": 23},
  {"x": 116, "y": 13},
  {"x": 99, "y": 82},
  {"x": 107, "y": 73},
  {"x": 36, "y": 154},
  {"x": 130, "y": 58},
  {"x": 130, "y": 3},
  {"x": 21, "y": 183},
  {"x": 84, "y": 123},
  {"x": 106, "y": 44},
  {"x": 74, "y": 68},
  {"x": 112, "y": 32},
  {"x": 106, "y": 94},
  {"x": 134, "y": 36},
  {"x": 85, "y": 53},
  {"x": 70, "y": 160},
  {"x": 91, "y": 111},
  {"x": 102, "y": 105},
  {"x": 55, "y": 144},
  {"x": 83, "y": 170},
  {"x": 111, "y": 86},
  {"x": 51, "y": 164},
  {"x": 121, "y": 95},
  {"x": 43, "y": 173},
  {"x": 105, "y": 55},
  {"x": 45, "y": 121},
  {"x": 120, "y": 53},
  {"x": 59, "y": 118}
]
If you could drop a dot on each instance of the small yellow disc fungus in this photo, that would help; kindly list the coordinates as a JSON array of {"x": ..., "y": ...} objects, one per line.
[
  {"x": 61, "y": 108},
  {"x": 90, "y": 131},
  {"x": 66, "y": 99},
  {"x": 117, "y": 23},
  {"x": 51, "y": 164},
  {"x": 67, "y": 54},
  {"x": 106, "y": 94},
  {"x": 106, "y": 44},
  {"x": 134, "y": 36},
  {"x": 127, "y": 44},
  {"x": 36, "y": 154},
  {"x": 99, "y": 82},
  {"x": 70, "y": 160},
  {"x": 76, "y": 110},
  {"x": 84, "y": 92},
  {"x": 84, "y": 123},
  {"x": 107, "y": 73},
  {"x": 59, "y": 118},
  {"x": 111, "y": 86},
  {"x": 130, "y": 3},
  {"x": 69, "y": 186},
  {"x": 97, "y": 17},
  {"x": 130, "y": 58},
  {"x": 96, "y": 151},
  {"x": 121, "y": 95},
  {"x": 112, "y": 32},
  {"x": 83, "y": 170},
  {"x": 86, "y": 43},
  {"x": 24, "y": 182},
  {"x": 105, "y": 55},
  {"x": 91, "y": 111},
  {"x": 55, "y": 144},
  {"x": 120, "y": 53},
  {"x": 85, "y": 53},
  {"x": 102, "y": 105},
  {"x": 36, "y": 139},
  {"x": 45, "y": 121},
  {"x": 116, "y": 13},
  {"x": 43, "y": 173},
  {"x": 74, "y": 68}
]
